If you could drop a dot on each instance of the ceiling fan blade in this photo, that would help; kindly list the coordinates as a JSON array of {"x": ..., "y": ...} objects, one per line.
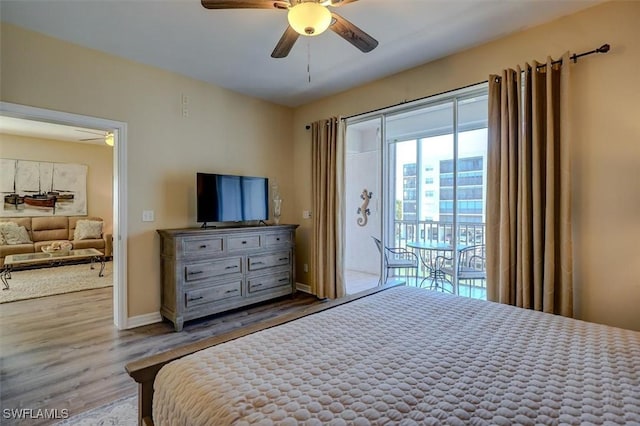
[
  {"x": 338, "y": 3},
  {"x": 285, "y": 43},
  {"x": 352, "y": 34},
  {"x": 92, "y": 132},
  {"x": 245, "y": 4}
]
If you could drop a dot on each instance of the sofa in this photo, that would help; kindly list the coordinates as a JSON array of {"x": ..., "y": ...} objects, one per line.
[{"x": 42, "y": 231}]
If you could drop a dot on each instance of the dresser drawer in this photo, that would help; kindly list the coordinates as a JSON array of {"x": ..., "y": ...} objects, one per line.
[
  {"x": 266, "y": 282},
  {"x": 268, "y": 260},
  {"x": 197, "y": 246},
  {"x": 215, "y": 293},
  {"x": 282, "y": 238},
  {"x": 214, "y": 268},
  {"x": 243, "y": 243}
]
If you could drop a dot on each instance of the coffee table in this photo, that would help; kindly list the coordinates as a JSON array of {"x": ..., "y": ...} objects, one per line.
[{"x": 33, "y": 259}]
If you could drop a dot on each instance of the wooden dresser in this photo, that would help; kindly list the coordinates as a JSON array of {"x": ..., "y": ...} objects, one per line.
[{"x": 206, "y": 271}]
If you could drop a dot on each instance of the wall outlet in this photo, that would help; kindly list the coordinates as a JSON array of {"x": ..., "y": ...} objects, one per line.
[
  {"x": 185, "y": 105},
  {"x": 148, "y": 216},
  {"x": 305, "y": 267}
]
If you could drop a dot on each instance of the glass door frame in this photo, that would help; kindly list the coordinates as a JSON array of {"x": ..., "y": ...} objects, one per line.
[
  {"x": 387, "y": 172},
  {"x": 380, "y": 178}
]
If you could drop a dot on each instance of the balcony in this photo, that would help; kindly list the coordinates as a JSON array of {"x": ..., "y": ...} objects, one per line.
[
  {"x": 431, "y": 232},
  {"x": 428, "y": 232}
]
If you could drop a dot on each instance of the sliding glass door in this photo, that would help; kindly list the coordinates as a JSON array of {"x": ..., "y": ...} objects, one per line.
[
  {"x": 433, "y": 164},
  {"x": 362, "y": 201},
  {"x": 470, "y": 193}
]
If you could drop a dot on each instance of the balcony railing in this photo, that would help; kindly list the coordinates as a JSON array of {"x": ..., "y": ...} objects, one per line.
[{"x": 436, "y": 232}]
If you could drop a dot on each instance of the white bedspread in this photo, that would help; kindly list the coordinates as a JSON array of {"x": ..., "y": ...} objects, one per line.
[{"x": 410, "y": 356}]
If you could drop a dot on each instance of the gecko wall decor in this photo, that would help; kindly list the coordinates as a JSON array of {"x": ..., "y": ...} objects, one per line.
[{"x": 364, "y": 209}]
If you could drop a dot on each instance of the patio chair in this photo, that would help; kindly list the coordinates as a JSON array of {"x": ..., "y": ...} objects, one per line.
[
  {"x": 397, "y": 258},
  {"x": 471, "y": 264}
]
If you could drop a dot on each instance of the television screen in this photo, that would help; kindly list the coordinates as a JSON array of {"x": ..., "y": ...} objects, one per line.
[{"x": 228, "y": 198}]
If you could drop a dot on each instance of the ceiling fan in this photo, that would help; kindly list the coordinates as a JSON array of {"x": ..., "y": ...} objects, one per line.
[
  {"x": 107, "y": 137},
  {"x": 306, "y": 17}
]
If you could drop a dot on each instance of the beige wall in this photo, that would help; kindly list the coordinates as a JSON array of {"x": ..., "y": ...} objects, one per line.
[
  {"x": 97, "y": 158},
  {"x": 606, "y": 115},
  {"x": 224, "y": 132},
  {"x": 232, "y": 133}
]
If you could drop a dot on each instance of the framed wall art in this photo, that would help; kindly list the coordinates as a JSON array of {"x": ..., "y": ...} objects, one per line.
[{"x": 38, "y": 188}]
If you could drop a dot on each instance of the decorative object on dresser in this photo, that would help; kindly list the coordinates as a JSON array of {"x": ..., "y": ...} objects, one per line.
[
  {"x": 277, "y": 210},
  {"x": 277, "y": 202},
  {"x": 207, "y": 271}
]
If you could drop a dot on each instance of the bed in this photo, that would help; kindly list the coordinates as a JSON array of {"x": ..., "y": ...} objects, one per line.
[{"x": 400, "y": 355}]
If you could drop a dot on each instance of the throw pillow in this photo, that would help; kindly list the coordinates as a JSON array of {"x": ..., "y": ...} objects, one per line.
[
  {"x": 88, "y": 230},
  {"x": 16, "y": 235},
  {"x": 5, "y": 225}
]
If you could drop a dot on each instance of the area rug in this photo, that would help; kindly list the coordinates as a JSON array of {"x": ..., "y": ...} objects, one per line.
[
  {"x": 32, "y": 283},
  {"x": 123, "y": 412}
]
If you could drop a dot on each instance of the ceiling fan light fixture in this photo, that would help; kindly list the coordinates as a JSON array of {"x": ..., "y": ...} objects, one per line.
[
  {"x": 108, "y": 139},
  {"x": 309, "y": 18}
]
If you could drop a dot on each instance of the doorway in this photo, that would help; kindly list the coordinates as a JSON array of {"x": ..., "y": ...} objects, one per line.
[
  {"x": 430, "y": 175},
  {"x": 119, "y": 130}
]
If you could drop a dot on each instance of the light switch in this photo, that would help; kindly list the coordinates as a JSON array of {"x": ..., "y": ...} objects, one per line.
[
  {"x": 306, "y": 214},
  {"x": 148, "y": 216}
]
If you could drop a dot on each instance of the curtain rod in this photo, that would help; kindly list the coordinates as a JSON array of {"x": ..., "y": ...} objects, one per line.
[
  {"x": 308, "y": 126},
  {"x": 602, "y": 49},
  {"x": 407, "y": 101}
]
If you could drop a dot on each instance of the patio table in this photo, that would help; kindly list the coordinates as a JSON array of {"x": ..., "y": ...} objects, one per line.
[{"x": 429, "y": 253}]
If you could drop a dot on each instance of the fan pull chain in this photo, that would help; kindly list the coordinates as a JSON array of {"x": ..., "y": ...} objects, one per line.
[{"x": 309, "y": 59}]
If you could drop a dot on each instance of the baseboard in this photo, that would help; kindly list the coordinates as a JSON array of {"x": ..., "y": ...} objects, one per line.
[
  {"x": 154, "y": 317},
  {"x": 146, "y": 319},
  {"x": 303, "y": 288}
]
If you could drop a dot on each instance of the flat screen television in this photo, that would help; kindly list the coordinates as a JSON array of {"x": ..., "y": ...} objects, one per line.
[{"x": 230, "y": 198}]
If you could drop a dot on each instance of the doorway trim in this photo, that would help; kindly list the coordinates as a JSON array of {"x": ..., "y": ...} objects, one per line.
[{"x": 119, "y": 129}]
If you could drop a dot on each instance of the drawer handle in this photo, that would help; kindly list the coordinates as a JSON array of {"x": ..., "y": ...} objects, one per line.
[
  {"x": 257, "y": 263},
  {"x": 203, "y": 246},
  {"x": 191, "y": 299},
  {"x": 281, "y": 280},
  {"x": 231, "y": 267},
  {"x": 244, "y": 242},
  {"x": 231, "y": 291},
  {"x": 283, "y": 258},
  {"x": 257, "y": 285},
  {"x": 195, "y": 272},
  {"x": 278, "y": 239}
]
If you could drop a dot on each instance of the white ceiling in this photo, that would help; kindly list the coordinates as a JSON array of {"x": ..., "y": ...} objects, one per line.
[
  {"x": 43, "y": 130},
  {"x": 231, "y": 48}
]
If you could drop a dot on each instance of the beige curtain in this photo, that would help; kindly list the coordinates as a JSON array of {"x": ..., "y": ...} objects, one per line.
[
  {"x": 529, "y": 243},
  {"x": 327, "y": 170}
]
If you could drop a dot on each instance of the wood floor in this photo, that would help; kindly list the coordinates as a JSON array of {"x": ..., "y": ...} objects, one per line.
[{"x": 63, "y": 352}]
